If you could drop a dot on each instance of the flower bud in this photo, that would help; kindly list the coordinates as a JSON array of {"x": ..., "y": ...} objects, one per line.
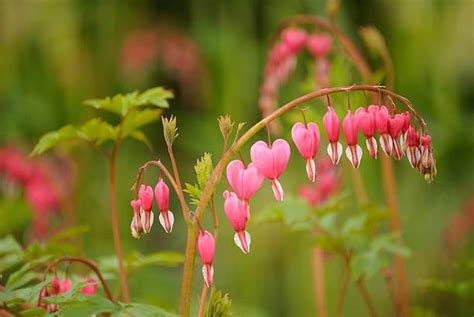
[
  {"x": 162, "y": 195},
  {"x": 331, "y": 125},
  {"x": 206, "y": 247},
  {"x": 353, "y": 150}
]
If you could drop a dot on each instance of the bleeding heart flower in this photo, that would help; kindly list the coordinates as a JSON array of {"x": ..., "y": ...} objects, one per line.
[
  {"x": 381, "y": 121},
  {"x": 294, "y": 38},
  {"x": 331, "y": 124},
  {"x": 307, "y": 140},
  {"x": 146, "y": 197},
  {"x": 90, "y": 288},
  {"x": 403, "y": 136},
  {"x": 413, "y": 152},
  {"x": 136, "y": 225},
  {"x": 55, "y": 285},
  {"x": 162, "y": 196},
  {"x": 395, "y": 126},
  {"x": 366, "y": 122},
  {"x": 245, "y": 181},
  {"x": 238, "y": 214},
  {"x": 319, "y": 45},
  {"x": 65, "y": 285},
  {"x": 271, "y": 162},
  {"x": 207, "y": 247},
  {"x": 353, "y": 150}
]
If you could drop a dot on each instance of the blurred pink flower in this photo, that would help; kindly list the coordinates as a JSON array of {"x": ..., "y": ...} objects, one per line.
[{"x": 327, "y": 184}]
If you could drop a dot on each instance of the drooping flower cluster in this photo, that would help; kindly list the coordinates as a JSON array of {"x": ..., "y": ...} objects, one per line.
[
  {"x": 143, "y": 216},
  {"x": 282, "y": 62},
  {"x": 396, "y": 137},
  {"x": 61, "y": 286}
]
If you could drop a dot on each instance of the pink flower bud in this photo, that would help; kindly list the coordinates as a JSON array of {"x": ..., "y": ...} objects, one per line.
[
  {"x": 319, "y": 45},
  {"x": 271, "y": 162},
  {"x": 162, "y": 195},
  {"x": 381, "y": 121},
  {"x": 238, "y": 214},
  {"x": 413, "y": 152},
  {"x": 147, "y": 216},
  {"x": 91, "y": 288},
  {"x": 366, "y": 122},
  {"x": 294, "y": 38},
  {"x": 395, "y": 126},
  {"x": 206, "y": 247},
  {"x": 403, "y": 136},
  {"x": 353, "y": 150},
  {"x": 136, "y": 225},
  {"x": 307, "y": 140},
  {"x": 65, "y": 285},
  {"x": 245, "y": 181}
]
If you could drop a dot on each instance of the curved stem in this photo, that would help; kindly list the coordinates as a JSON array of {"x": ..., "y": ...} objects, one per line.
[
  {"x": 365, "y": 295},
  {"x": 179, "y": 189},
  {"x": 85, "y": 262}
]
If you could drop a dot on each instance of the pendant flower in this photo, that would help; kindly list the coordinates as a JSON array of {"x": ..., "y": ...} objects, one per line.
[
  {"x": 295, "y": 39},
  {"x": 238, "y": 214},
  {"x": 245, "y": 181},
  {"x": 207, "y": 246},
  {"x": 395, "y": 126},
  {"x": 319, "y": 45},
  {"x": 146, "y": 197},
  {"x": 162, "y": 196},
  {"x": 413, "y": 152},
  {"x": 353, "y": 150},
  {"x": 307, "y": 140},
  {"x": 381, "y": 121},
  {"x": 331, "y": 125},
  {"x": 271, "y": 161},
  {"x": 136, "y": 225},
  {"x": 366, "y": 122}
]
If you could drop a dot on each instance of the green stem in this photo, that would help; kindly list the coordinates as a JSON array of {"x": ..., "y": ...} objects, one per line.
[
  {"x": 189, "y": 259},
  {"x": 367, "y": 300},
  {"x": 116, "y": 231}
]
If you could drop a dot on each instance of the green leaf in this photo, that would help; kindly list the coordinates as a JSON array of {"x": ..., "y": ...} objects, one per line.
[
  {"x": 69, "y": 233},
  {"x": 154, "y": 97},
  {"x": 123, "y": 104},
  {"x": 82, "y": 306},
  {"x": 135, "y": 309},
  {"x": 194, "y": 192},
  {"x": 22, "y": 295},
  {"x": 140, "y": 136},
  {"x": 34, "y": 312},
  {"x": 138, "y": 118},
  {"x": 135, "y": 261},
  {"x": 18, "y": 279},
  {"x": 95, "y": 131},
  {"x": 203, "y": 169},
  {"x": 8, "y": 245}
]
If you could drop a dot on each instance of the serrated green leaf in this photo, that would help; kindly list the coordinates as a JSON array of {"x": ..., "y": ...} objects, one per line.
[
  {"x": 95, "y": 131},
  {"x": 140, "y": 136},
  {"x": 219, "y": 305},
  {"x": 157, "y": 96},
  {"x": 194, "y": 192},
  {"x": 8, "y": 245},
  {"x": 87, "y": 306},
  {"x": 138, "y": 118},
  {"x": 203, "y": 169},
  {"x": 22, "y": 295},
  {"x": 34, "y": 312}
]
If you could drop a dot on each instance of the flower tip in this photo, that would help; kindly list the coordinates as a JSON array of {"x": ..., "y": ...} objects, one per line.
[
  {"x": 277, "y": 190},
  {"x": 166, "y": 219},
  {"x": 243, "y": 239}
]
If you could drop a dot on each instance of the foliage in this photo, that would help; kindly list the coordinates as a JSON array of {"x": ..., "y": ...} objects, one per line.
[
  {"x": 96, "y": 131},
  {"x": 203, "y": 169}
]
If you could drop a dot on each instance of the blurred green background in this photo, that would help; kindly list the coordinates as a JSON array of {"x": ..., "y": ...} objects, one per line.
[{"x": 55, "y": 54}]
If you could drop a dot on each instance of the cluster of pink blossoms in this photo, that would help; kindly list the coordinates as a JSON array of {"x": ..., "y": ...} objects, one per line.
[
  {"x": 397, "y": 137},
  {"x": 18, "y": 172},
  {"x": 282, "y": 62},
  {"x": 143, "y": 216},
  {"x": 61, "y": 286}
]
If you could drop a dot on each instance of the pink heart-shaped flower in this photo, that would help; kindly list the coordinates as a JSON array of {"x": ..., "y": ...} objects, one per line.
[
  {"x": 271, "y": 161},
  {"x": 245, "y": 181}
]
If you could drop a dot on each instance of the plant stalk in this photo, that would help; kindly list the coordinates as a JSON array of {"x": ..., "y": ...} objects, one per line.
[
  {"x": 116, "y": 231},
  {"x": 365, "y": 295},
  {"x": 189, "y": 259}
]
